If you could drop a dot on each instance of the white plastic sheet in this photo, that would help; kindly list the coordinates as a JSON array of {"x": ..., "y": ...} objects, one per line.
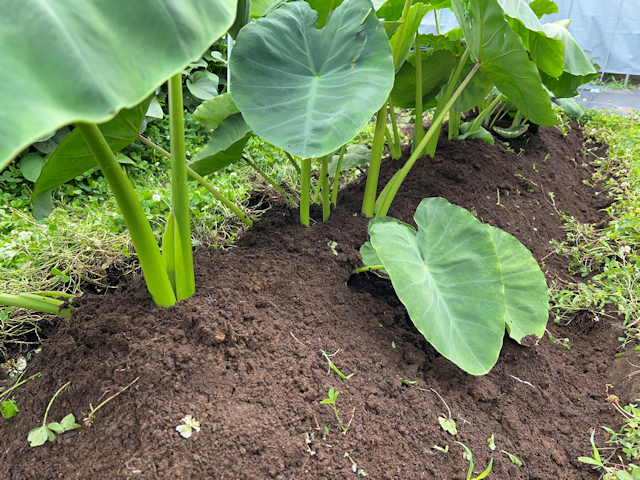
[{"x": 609, "y": 31}]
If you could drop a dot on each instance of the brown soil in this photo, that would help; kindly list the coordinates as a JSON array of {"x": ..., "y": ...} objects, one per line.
[{"x": 243, "y": 356}]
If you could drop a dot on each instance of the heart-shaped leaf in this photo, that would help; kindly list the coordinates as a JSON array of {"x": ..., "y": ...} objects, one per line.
[
  {"x": 203, "y": 84},
  {"x": 85, "y": 61},
  {"x": 448, "y": 276},
  {"x": 306, "y": 90},
  {"x": 461, "y": 281}
]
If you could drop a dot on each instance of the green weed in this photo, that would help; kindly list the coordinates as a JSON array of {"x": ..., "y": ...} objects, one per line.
[
  {"x": 331, "y": 399},
  {"x": 606, "y": 255},
  {"x": 39, "y": 436}
]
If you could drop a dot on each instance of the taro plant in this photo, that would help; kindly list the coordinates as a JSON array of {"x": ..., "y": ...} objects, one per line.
[
  {"x": 308, "y": 80},
  {"x": 95, "y": 65},
  {"x": 461, "y": 281},
  {"x": 500, "y": 44}
]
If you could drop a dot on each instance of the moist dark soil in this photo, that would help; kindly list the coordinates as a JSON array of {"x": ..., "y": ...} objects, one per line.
[{"x": 243, "y": 356}]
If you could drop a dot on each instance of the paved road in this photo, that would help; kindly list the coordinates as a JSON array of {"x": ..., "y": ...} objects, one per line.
[{"x": 622, "y": 101}]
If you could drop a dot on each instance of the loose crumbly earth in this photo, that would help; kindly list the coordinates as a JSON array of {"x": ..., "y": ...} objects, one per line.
[{"x": 243, "y": 356}]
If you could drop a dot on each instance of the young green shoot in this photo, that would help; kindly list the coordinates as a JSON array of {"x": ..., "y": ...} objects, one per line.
[
  {"x": 354, "y": 466},
  {"x": 370, "y": 268},
  {"x": 627, "y": 440},
  {"x": 412, "y": 383},
  {"x": 331, "y": 399},
  {"x": 469, "y": 456},
  {"x": 595, "y": 459},
  {"x": 559, "y": 341},
  {"x": 513, "y": 458},
  {"x": 492, "y": 442},
  {"x": 448, "y": 424},
  {"x": 440, "y": 449},
  {"x": 90, "y": 417},
  {"x": 39, "y": 436},
  {"x": 332, "y": 366}
]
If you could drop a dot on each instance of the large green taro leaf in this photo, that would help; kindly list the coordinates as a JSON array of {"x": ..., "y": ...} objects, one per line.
[
  {"x": 503, "y": 58},
  {"x": 73, "y": 156},
  {"x": 448, "y": 276},
  {"x": 578, "y": 69},
  {"x": 307, "y": 90},
  {"x": 66, "y": 61},
  {"x": 545, "y": 51},
  {"x": 436, "y": 70},
  {"x": 526, "y": 293},
  {"x": 224, "y": 147}
]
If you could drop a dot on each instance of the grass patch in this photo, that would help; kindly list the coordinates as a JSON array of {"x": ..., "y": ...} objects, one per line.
[{"x": 608, "y": 256}]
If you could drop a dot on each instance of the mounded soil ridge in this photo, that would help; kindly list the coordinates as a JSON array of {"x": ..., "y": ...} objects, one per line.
[{"x": 243, "y": 356}]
